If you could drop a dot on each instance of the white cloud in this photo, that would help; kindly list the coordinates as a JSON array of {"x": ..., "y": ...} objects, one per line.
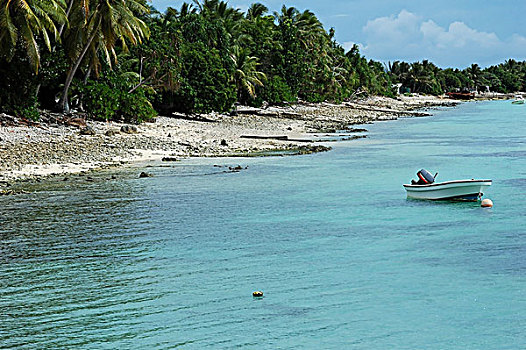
[
  {"x": 400, "y": 28},
  {"x": 518, "y": 41},
  {"x": 409, "y": 37},
  {"x": 349, "y": 44},
  {"x": 458, "y": 35}
]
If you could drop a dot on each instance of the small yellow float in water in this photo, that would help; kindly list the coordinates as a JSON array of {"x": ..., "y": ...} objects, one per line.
[{"x": 257, "y": 294}]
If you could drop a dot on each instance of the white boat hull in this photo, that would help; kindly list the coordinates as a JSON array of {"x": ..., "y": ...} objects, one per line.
[{"x": 453, "y": 190}]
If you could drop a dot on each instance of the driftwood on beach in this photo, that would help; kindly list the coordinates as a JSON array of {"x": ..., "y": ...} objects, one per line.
[
  {"x": 387, "y": 110},
  {"x": 273, "y": 112},
  {"x": 279, "y": 138},
  {"x": 247, "y": 110},
  {"x": 265, "y": 137},
  {"x": 7, "y": 120},
  {"x": 45, "y": 118},
  {"x": 193, "y": 117}
]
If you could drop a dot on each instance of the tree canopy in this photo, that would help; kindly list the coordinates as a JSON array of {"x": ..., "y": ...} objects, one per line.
[{"x": 121, "y": 59}]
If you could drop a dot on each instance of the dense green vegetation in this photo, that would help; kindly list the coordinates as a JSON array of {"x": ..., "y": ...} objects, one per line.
[
  {"x": 123, "y": 60},
  {"x": 425, "y": 77}
]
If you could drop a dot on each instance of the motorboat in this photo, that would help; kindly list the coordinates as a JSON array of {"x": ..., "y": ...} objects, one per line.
[
  {"x": 519, "y": 100},
  {"x": 427, "y": 188}
]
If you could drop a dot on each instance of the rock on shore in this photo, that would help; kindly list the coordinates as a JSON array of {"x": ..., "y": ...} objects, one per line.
[{"x": 46, "y": 149}]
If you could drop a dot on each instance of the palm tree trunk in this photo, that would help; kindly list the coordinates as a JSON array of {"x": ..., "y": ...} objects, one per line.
[
  {"x": 37, "y": 91},
  {"x": 70, "y": 5},
  {"x": 85, "y": 81},
  {"x": 63, "y": 104}
]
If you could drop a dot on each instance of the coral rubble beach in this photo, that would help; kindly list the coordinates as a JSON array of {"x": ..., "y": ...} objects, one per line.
[{"x": 45, "y": 149}]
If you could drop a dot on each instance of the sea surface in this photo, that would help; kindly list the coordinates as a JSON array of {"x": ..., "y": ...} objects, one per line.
[{"x": 344, "y": 259}]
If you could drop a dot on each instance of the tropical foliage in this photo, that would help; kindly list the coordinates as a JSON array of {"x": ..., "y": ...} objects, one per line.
[
  {"x": 21, "y": 21},
  {"x": 425, "y": 77},
  {"x": 121, "y": 59}
]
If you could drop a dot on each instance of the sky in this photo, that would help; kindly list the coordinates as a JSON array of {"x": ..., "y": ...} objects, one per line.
[{"x": 449, "y": 33}]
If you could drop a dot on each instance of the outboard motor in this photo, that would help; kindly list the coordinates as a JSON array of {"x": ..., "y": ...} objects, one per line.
[{"x": 425, "y": 177}]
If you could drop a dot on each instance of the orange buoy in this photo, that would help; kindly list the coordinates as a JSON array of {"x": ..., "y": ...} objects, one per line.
[
  {"x": 486, "y": 203},
  {"x": 257, "y": 294}
]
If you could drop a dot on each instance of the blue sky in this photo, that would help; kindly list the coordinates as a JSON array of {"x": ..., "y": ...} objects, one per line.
[{"x": 450, "y": 33}]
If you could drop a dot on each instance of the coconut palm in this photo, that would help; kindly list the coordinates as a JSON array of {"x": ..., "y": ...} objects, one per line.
[
  {"x": 100, "y": 25},
  {"x": 286, "y": 14},
  {"x": 219, "y": 10},
  {"x": 172, "y": 13},
  {"x": 309, "y": 27},
  {"x": 246, "y": 75},
  {"x": 258, "y": 34},
  {"x": 420, "y": 77},
  {"x": 255, "y": 11},
  {"x": 306, "y": 22},
  {"x": 23, "y": 20},
  {"x": 229, "y": 17},
  {"x": 474, "y": 73}
]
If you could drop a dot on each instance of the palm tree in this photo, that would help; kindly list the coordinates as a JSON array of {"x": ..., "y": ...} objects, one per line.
[
  {"x": 309, "y": 27},
  {"x": 394, "y": 69},
  {"x": 510, "y": 64},
  {"x": 22, "y": 20},
  {"x": 306, "y": 22},
  {"x": 287, "y": 14},
  {"x": 171, "y": 13},
  {"x": 420, "y": 77},
  {"x": 337, "y": 78},
  {"x": 229, "y": 17},
  {"x": 474, "y": 72},
  {"x": 246, "y": 75},
  {"x": 100, "y": 26},
  {"x": 258, "y": 34},
  {"x": 255, "y": 11},
  {"x": 219, "y": 9}
]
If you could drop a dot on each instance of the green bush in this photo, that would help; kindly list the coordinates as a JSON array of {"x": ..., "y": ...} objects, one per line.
[
  {"x": 136, "y": 107},
  {"x": 313, "y": 97},
  {"x": 30, "y": 112},
  {"x": 100, "y": 100},
  {"x": 109, "y": 99},
  {"x": 275, "y": 91},
  {"x": 18, "y": 85}
]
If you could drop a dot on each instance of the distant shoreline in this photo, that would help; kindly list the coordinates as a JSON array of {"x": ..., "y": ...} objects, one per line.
[{"x": 32, "y": 152}]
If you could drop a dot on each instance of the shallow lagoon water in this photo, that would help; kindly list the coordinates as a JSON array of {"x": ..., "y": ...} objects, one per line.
[{"x": 344, "y": 259}]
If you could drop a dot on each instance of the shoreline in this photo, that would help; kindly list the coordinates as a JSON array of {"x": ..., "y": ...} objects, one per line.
[{"x": 46, "y": 150}]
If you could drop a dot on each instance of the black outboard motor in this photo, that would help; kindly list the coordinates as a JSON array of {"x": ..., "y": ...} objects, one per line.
[{"x": 424, "y": 178}]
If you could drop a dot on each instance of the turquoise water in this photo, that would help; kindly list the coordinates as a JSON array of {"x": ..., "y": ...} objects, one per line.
[{"x": 344, "y": 259}]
